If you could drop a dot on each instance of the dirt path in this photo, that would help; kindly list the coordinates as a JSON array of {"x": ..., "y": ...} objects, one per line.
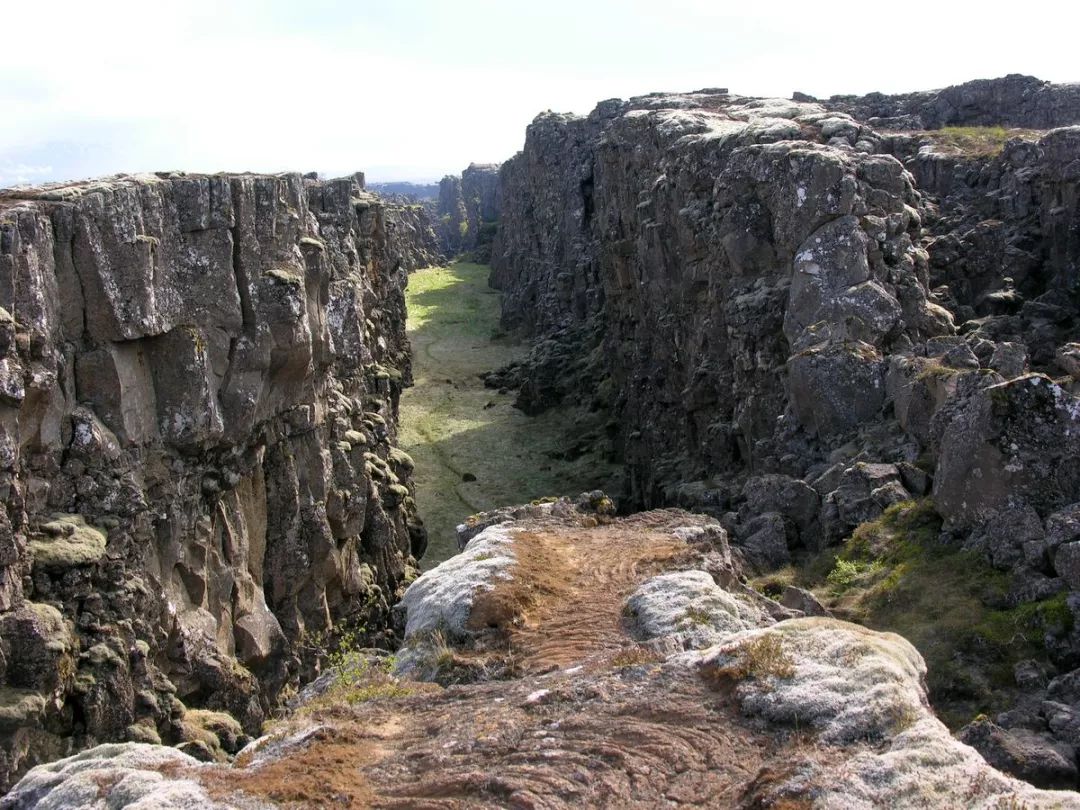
[{"x": 454, "y": 428}]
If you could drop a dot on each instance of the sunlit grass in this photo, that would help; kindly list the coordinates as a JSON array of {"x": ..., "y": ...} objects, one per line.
[{"x": 452, "y": 425}]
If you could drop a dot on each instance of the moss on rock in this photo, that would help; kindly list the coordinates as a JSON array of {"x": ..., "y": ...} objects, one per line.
[{"x": 67, "y": 541}]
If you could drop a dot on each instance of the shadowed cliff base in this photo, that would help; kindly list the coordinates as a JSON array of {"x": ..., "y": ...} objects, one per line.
[{"x": 473, "y": 450}]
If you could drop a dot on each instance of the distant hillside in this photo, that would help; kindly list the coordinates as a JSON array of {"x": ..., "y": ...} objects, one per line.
[{"x": 419, "y": 191}]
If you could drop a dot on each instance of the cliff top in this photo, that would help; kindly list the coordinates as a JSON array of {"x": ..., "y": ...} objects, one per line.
[{"x": 1014, "y": 100}]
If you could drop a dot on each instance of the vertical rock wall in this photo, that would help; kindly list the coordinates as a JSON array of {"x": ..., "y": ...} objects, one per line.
[
  {"x": 749, "y": 267},
  {"x": 468, "y": 211},
  {"x": 199, "y": 381}
]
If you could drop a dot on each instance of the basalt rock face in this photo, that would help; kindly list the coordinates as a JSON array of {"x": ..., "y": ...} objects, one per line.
[
  {"x": 480, "y": 190},
  {"x": 1012, "y": 101},
  {"x": 200, "y": 378},
  {"x": 453, "y": 220},
  {"x": 797, "y": 322},
  {"x": 468, "y": 211},
  {"x": 750, "y": 277},
  {"x": 410, "y": 236}
]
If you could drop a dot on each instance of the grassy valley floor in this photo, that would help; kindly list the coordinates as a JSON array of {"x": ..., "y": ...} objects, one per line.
[{"x": 456, "y": 429}]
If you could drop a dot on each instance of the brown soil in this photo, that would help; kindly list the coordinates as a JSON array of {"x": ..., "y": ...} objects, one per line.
[{"x": 577, "y": 729}]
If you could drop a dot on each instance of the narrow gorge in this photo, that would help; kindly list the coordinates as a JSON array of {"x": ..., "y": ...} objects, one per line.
[{"x": 710, "y": 451}]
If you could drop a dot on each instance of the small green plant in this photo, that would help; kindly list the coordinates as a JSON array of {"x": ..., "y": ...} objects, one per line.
[
  {"x": 847, "y": 572},
  {"x": 765, "y": 657},
  {"x": 361, "y": 674},
  {"x": 761, "y": 658}
]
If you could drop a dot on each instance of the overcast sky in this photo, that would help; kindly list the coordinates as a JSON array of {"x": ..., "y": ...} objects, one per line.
[{"x": 413, "y": 89}]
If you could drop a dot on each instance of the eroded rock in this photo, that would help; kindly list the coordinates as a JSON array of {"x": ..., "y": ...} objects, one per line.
[{"x": 199, "y": 377}]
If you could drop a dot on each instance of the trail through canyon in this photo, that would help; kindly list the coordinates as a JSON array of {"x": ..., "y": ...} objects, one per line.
[{"x": 456, "y": 430}]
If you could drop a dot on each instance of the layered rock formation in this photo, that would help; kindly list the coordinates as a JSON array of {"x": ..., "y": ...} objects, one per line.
[
  {"x": 738, "y": 264},
  {"x": 593, "y": 663},
  {"x": 468, "y": 211},
  {"x": 452, "y": 218},
  {"x": 799, "y": 322},
  {"x": 199, "y": 378}
]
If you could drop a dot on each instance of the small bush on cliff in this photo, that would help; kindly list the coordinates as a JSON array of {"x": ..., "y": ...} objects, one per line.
[
  {"x": 635, "y": 657},
  {"x": 359, "y": 674},
  {"x": 760, "y": 658}
]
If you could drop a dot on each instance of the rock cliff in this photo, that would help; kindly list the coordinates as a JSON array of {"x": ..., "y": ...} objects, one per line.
[
  {"x": 1012, "y": 101},
  {"x": 199, "y": 379},
  {"x": 468, "y": 211},
  {"x": 802, "y": 323}
]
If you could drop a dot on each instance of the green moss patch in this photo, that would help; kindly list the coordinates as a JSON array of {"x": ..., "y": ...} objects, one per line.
[
  {"x": 978, "y": 141},
  {"x": 453, "y": 427},
  {"x": 894, "y": 574},
  {"x": 66, "y": 541}
]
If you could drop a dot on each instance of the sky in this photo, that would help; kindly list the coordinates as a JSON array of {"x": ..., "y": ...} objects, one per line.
[{"x": 415, "y": 89}]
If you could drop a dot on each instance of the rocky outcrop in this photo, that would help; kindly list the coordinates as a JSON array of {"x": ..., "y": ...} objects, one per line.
[
  {"x": 410, "y": 236},
  {"x": 468, "y": 211},
  {"x": 594, "y": 663},
  {"x": 480, "y": 190},
  {"x": 453, "y": 222},
  {"x": 800, "y": 323},
  {"x": 1012, "y": 101},
  {"x": 751, "y": 268},
  {"x": 200, "y": 377}
]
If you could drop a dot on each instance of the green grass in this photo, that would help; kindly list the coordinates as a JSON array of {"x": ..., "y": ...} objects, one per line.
[
  {"x": 893, "y": 574},
  {"x": 451, "y": 424},
  {"x": 978, "y": 141}
]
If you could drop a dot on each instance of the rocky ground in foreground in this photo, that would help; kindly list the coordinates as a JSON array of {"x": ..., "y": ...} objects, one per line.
[{"x": 569, "y": 659}]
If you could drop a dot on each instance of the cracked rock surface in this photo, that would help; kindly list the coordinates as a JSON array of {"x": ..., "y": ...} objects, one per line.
[{"x": 199, "y": 379}]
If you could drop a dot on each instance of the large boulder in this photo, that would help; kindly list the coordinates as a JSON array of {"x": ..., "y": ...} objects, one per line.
[
  {"x": 835, "y": 386},
  {"x": 1024, "y": 754},
  {"x": 1015, "y": 443}
]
